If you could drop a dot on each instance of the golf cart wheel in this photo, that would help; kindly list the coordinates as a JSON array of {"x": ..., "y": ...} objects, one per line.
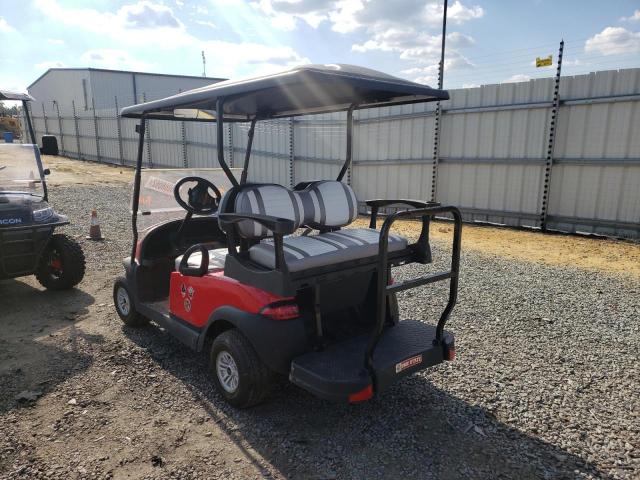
[
  {"x": 61, "y": 265},
  {"x": 123, "y": 300},
  {"x": 239, "y": 374}
]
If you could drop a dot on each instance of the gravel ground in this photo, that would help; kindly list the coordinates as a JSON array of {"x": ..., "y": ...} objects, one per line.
[{"x": 545, "y": 384}]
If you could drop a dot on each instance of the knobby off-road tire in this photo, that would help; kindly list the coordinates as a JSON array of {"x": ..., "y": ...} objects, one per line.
[
  {"x": 61, "y": 265},
  {"x": 125, "y": 306},
  {"x": 254, "y": 380}
]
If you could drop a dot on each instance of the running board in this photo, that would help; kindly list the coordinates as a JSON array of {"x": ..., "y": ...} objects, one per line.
[{"x": 337, "y": 373}]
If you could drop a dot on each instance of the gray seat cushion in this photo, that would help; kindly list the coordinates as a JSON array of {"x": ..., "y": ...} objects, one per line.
[
  {"x": 304, "y": 252},
  {"x": 217, "y": 258}
]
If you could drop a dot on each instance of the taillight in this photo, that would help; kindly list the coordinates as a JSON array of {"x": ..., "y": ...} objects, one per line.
[
  {"x": 364, "y": 394},
  {"x": 450, "y": 354},
  {"x": 281, "y": 311}
]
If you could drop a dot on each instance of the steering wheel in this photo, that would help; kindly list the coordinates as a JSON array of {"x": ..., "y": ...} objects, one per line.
[{"x": 200, "y": 201}]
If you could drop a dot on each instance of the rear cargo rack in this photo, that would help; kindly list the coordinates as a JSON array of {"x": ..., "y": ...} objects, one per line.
[{"x": 384, "y": 289}]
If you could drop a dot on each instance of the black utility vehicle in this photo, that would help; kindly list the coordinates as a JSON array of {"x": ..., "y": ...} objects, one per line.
[
  {"x": 268, "y": 278},
  {"x": 28, "y": 244}
]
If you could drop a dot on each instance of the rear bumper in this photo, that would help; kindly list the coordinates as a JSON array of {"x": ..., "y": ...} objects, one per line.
[{"x": 338, "y": 373}]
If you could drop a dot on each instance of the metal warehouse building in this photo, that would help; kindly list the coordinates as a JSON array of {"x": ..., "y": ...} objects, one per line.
[{"x": 86, "y": 89}]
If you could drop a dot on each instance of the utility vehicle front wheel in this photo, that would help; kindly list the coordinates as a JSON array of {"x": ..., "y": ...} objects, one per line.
[
  {"x": 61, "y": 265},
  {"x": 239, "y": 374},
  {"x": 123, "y": 301}
]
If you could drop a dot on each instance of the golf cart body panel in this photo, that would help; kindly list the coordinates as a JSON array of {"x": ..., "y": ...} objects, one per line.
[{"x": 320, "y": 307}]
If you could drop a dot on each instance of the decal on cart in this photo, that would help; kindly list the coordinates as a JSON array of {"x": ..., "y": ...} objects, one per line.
[
  {"x": 183, "y": 290},
  {"x": 408, "y": 363},
  {"x": 10, "y": 221},
  {"x": 190, "y": 291},
  {"x": 187, "y": 305}
]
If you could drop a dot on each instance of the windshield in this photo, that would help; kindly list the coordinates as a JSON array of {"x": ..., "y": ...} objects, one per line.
[
  {"x": 20, "y": 169},
  {"x": 157, "y": 203}
]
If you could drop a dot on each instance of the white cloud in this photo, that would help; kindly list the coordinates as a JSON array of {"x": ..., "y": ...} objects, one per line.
[
  {"x": 113, "y": 59},
  {"x": 635, "y": 17},
  {"x": 50, "y": 64},
  {"x": 429, "y": 74},
  {"x": 373, "y": 15},
  {"x": 230, "y": 57},
  {"x": 470, "y": 85},
  {"x": 614, "y": 41},
  {"x": 519, "y": 77},
  {"x": 459, "y": 40},
  {"x": 286, "y": 14},
  {"x": 146, "y": 14},
  {"x": 55, "y": 41},
  {"x": 206, "y": 23},
  {"x": 5, "y": 27},
  {"x": 148, "y": 24},
  {"x": 140, "y": 23}
]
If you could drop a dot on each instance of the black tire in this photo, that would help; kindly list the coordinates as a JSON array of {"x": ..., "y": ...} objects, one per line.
[
  {"x": 255, "y": 380},
  {"x": 61, "y": 265},
  {"x": 123, "y": 301}
]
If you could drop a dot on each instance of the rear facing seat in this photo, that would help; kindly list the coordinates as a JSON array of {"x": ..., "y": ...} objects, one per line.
[{"x": 323, "y": 205}]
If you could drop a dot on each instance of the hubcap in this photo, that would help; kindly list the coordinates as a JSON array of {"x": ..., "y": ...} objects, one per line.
[
  {"x": 122, "y": 298},
  {"x": 227, "y": 371},
  {"x": 55, "y": 264}
]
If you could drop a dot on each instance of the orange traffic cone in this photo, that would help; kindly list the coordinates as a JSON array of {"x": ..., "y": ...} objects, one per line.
[{"x": 94, "y": 229}]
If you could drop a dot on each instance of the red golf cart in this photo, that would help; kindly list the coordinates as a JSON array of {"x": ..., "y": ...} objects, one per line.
[{"x": 269, "y": 278}]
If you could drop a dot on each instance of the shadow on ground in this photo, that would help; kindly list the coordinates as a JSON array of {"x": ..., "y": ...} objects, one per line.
[
  {"x": 414, "y": 430},
  {"x": 32, "y": 360}
]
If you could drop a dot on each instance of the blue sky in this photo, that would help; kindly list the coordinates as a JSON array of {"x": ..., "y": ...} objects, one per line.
[{"x": 488, "y": 41}]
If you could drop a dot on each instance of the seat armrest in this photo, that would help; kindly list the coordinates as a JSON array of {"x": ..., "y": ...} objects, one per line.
[
  {"x": 377, "y": 203},
  {"x": 277, "y": 225}
]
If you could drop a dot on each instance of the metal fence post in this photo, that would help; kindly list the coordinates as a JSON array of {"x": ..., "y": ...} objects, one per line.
[
  {"x": 60, "y": 127},
  {"x": 185, "y": 158},
  {"x": 148, "y": 132},
  {"x": 95, "y": 129},
  {"x": 44, "y": 116},
  {"x": 436, "y": 152},
  {"x": 292, "y": 152},
  {"x": 553, "y": 124},
  {"x": 119, "y": 131},
  {"x": 75, "y": 120},
  {"x": 230, "y": 147}
]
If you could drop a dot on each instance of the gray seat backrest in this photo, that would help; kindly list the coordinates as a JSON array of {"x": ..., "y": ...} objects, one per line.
[
  {"x": 320, "y": 205},
  {"x": 329, "y": 203}
]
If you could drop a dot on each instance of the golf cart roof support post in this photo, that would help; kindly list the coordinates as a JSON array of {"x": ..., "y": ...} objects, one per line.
[
  {"x": 247, "y": 155},
  {"x": 220, "y": 141},
  {"x": 25, "y": 107},
  {"x": 347, "y": 161},
  {"x": 43, "y": 181},
  {"x": 136, "y": 186}
]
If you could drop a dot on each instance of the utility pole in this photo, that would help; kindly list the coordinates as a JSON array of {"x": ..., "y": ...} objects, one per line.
[
  {"x": 204, "y": 65},
  {"x": 444, "y": 36},
  {"x": 438, "y": 117}
]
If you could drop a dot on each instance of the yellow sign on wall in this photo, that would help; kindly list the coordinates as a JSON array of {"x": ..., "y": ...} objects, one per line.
[{"x": 544, "y": 62}]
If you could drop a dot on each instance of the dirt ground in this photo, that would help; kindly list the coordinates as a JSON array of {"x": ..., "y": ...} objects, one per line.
[
  {"x": 112, "y": 402},
  {"x": 74, "y": 172}
]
